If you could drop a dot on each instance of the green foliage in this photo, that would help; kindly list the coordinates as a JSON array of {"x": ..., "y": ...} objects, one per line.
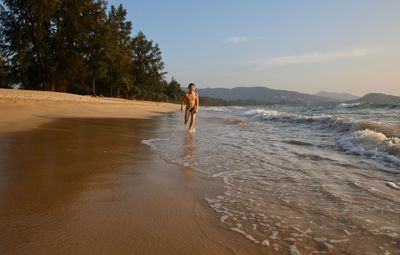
[
  {"x": 148, "y": 67},
  {"x": 173, "y": 91},
  {"x": 76, "y": 46},
  {"x": 5, "y": 81}
]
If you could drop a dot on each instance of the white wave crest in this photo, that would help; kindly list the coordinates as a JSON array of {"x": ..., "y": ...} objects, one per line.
[
  {"x": 350, "y": 105},
  {"x": 263, "y": 114},
  {"x": 339, "y": 123},
  {"x": 371, "y": 143},
  {"x": 217, "y": 109}
]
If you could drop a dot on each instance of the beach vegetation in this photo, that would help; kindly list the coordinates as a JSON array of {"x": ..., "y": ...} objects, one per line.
[{"x": 80, "y": 47}]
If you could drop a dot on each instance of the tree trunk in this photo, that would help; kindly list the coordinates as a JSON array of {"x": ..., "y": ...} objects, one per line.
[
  {"x": 94, "y": 87},
  {"x": 45, "y": 84}
]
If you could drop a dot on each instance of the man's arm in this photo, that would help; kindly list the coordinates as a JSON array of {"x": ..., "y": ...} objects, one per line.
[{"x": 197, "y": 102}]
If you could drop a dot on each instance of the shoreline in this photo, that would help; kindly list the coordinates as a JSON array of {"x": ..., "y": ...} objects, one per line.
[{"x": 111, "y": 194}]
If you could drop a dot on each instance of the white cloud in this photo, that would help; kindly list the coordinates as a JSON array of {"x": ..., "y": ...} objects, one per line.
[
  {"x": 240, "y": 39},
  {"x": 309, "y": 57}
]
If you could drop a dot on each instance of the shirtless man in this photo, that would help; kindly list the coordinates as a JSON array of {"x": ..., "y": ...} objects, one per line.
[{"x": 191, "y": 98}]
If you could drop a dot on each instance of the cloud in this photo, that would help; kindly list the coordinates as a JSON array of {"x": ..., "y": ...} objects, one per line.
[
  {"x": 242, "y": 39},
  {"x": 309, "y": 57},
  {"x": 238, "y": 39}
]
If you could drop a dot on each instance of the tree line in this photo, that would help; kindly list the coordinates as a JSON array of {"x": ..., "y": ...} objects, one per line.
[{"x": 79, "y": 47}]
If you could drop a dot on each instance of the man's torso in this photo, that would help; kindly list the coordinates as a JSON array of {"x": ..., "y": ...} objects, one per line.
[{"x": 190, "y": 99}]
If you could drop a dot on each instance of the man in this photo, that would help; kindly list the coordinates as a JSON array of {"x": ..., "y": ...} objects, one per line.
[{"x": 191, "y": 98}]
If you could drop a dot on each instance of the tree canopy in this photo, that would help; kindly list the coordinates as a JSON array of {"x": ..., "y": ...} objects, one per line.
[{"x": 80, "y": 47}]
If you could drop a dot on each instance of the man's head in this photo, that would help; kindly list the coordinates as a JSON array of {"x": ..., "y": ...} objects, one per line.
[{"x": 191, "y": 87}]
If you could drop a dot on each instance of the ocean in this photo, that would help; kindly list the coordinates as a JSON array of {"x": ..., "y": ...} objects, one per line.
[{"x": 314, "y": 179}]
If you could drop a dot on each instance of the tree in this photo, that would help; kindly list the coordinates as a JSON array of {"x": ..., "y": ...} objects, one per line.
[
  {"x": 174, "y": 90},
  {"x": 5, "y": 81},
  {"x": 148, "y": 67},
  {"x": 47, "y": 41},
  {"x": 76, "y": 24},
  {"x": 96, "y": 44},
  {"x": 25, "y": 30},
  {"x": 119, "y": 50},
  {"x": 76, "y": 46}
]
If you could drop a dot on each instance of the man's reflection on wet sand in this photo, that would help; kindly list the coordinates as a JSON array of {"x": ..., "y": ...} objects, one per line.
[
  {"x": 189, "y": 152},
  {"x": 189, "y": 145}
]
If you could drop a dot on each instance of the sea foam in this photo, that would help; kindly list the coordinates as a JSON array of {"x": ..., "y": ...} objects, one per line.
[
  {"x": 355, "y": 136},
  {"x": 293, "y": 198},
  {"x": 372, "y": 144}
]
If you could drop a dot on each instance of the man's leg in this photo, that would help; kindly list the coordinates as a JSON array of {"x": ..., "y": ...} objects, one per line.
[
  {"x": 192, "y": 120},
  {"x": 186, "y": 116}
]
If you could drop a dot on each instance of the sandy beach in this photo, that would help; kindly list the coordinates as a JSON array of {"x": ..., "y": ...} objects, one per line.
[
  {"x": 199, "y": 128},
  {"x": 76, "y": 178},
  {"x": 24, "y": 109}
]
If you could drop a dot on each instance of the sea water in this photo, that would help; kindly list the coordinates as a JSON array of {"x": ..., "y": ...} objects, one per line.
[{"x": 316, "y": 179}]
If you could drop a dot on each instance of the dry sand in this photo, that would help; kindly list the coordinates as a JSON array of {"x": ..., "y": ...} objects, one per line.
[
  {"x": 76, "y": 179},
  {"x": 24, "y": 109}
]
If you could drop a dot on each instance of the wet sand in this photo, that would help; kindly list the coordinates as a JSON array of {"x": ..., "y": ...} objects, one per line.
[{"x": 89, "y": 186}]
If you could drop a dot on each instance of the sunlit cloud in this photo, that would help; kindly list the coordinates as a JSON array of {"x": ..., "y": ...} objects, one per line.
[
  {"x": 242, "y": 39},
  {"x": 309, "y": 57},
  {"x": 238, "y": 39}
]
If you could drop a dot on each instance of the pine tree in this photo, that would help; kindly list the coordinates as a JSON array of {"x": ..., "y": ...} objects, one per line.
[
  {"x": 75, "y": 25},
  {"x": 96, "y": 45},
  {"x": 76, "y": 46},
  {"x": 119, "y": 49},
  {"x": 174, "y": 91},
  {"x": 5, "y": 81},
  {"x": 25, "y": 30},
  {"x": 148, "y": 67}
]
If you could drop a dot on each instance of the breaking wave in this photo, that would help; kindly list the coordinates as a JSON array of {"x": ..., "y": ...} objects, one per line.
[
  {"x": 358, "y": 137},
  {"x": 366, "y": 105}
]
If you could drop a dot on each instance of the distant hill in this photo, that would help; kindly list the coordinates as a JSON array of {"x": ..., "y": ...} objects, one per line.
[
  {"x": 262, "y": 95},
  {"x": 337, "y": 96},
  {"x": 379, "y": 98}
]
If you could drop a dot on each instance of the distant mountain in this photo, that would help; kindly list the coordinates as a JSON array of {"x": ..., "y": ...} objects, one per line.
[
  {"x": 262, "y": 95},
  {"x": 337, "y": 96},
  {"x": 379, "y": 98}
]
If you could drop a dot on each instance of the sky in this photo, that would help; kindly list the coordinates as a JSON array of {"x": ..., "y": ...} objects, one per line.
[{"x": 307, "y": 46}]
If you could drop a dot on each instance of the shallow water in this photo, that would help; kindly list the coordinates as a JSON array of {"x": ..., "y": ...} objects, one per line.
[{"x": 300, "y": 180}]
